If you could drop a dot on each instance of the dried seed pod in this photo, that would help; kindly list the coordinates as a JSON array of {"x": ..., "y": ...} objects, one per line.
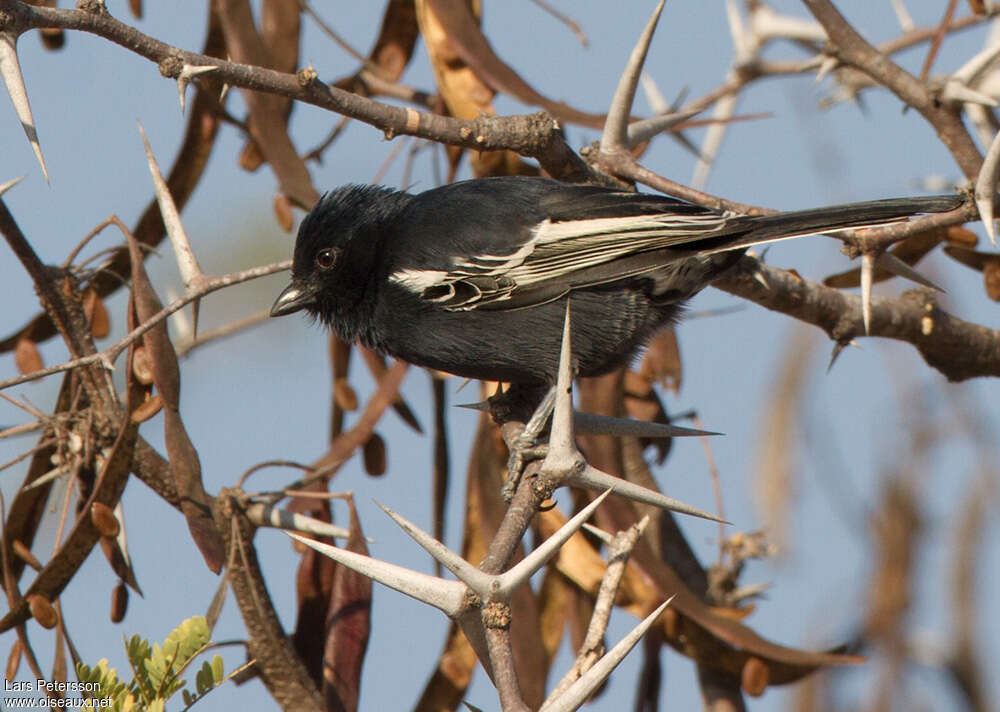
[
  {"x": 142, "y": 367},
  {"x": 42, "y": 611},
  {"x": 97, "y": 314},
  {"x": 104, "y": 519},
  {"x": 755, "y": 676},
  {"x": 283, "y": 212},
  {"x": 991, "y": 279},
  {"x": 374, "y": 455},
  {"x": 24, "y": 553},
  {"x": 147, "y": 409},
  {"x": 14, "y": 659},
  {"x": 119, "y": 602},
  {"x": 344, "y": 394},
  {"x": 27, "y": 357},
  {"x": 671, "y": 623}
]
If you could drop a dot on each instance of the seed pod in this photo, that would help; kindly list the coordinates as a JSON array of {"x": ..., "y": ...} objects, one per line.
[
  {"x": 119, "y": 602},
  {"x": 14, "y": 659},
  {"x": 374, "y": 455},
  {"x": 147, "y": 409},
  {"x": 42, "y": 611},
  {"x": 104, "y": 520},
  {"x": 24, "y": 553},
  {"x": 755, "y": 676},
  {"x": 27, "y": 357},
  {"x": 141, "y": 366},
  {"x": 344, "y": 395},
  {"x": 283, "y": 212}
]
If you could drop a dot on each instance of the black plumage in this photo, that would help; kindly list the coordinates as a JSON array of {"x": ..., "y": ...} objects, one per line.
[{"x": 472, "y": 278}]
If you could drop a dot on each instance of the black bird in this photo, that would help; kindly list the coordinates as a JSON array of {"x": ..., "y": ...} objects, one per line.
[{"x": 472, "y": 278}]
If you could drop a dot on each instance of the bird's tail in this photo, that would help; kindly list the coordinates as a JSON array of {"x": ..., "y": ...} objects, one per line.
[{"x": 757, "y": 229}]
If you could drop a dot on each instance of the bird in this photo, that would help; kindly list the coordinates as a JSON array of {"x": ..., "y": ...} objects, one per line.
[{"x": 472, "y": 278}]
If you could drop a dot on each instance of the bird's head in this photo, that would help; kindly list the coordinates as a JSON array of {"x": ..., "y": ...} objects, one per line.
[{"x": 334, "y": 251}]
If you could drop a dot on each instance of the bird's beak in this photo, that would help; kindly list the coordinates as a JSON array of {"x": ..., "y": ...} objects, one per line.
[{"x": 291, "y": 300}]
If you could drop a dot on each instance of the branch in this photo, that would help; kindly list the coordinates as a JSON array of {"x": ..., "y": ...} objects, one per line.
[
  {"x": 538, "y": 136},
  {"x": 957, "y": 348},
  {"x": 852, "y": 49}
]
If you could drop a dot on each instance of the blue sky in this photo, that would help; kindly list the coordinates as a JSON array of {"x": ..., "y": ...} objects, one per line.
[{"x": 264, "y": 395}]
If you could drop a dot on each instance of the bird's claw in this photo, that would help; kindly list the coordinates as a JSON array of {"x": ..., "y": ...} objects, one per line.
[{"x": 523, "y": 452}]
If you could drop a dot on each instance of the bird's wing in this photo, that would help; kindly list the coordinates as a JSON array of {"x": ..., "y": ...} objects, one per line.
[{"x": 564, "y": 237}]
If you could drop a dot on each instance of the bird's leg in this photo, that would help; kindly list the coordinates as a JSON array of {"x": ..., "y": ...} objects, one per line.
[
  {"x": 514, "y": 406},
  {"x": 524, "y": 449}
]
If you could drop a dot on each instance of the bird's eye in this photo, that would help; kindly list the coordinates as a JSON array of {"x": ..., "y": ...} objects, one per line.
[{"x": 326, "y": 258}]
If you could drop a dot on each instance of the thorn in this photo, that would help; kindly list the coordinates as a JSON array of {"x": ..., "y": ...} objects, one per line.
[
  {"x": 481, "y": 405},
  {"x": 10, "y": 68},
  {"x": 187, "y": 263},
  {"x": 737, "y": 33},
  {"x": 825, "y": 67},
  {"x": 986, "y": 188},
  {"x": 615, "y": 133},
  {"x": 608, "y": 425},
  {"x": 581, "y": 690},
  {"x": 646, "y": 129},
  {"x": 654, "y": 97},
  {"x": 766, "y": 25},
  {"x": 838, "y": 348},
  {"x": 975, "y": 69},
  {"x": 725, "y": 107},
  {"x": 599, "y": 533},
  {"x": 758, "y": 274},
  {"x": 955, "y": 92},
  {"x": 562, "y": 443},
  {"x": 188, "y": 73},
  {"x": 592, "y": 478},
  {"x": 867, "y": 272},
  {"x": 10, "y": 184},
  {"x": 890, "y": 263},
  {"x": 463, "y": 384},
  {"x": 902, "y": 15}
]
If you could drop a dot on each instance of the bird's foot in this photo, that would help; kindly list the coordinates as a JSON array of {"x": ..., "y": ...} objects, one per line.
[{"x": 525, "y": 447}]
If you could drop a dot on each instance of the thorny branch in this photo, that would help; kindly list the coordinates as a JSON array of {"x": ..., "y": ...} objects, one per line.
[{"x": 957, "y": 348}]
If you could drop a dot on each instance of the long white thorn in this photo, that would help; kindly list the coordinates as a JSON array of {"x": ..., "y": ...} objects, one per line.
[
  {"x": 986, "y": 188},
  {"x": 9, "y": 184},
  {"x": 867, "y": 273},
  {"x": 187, "y": 262},
  {"x": 616, "y": 126},
  {"x": 10, "y": 68},
  {"x": 581, "y": 690}
]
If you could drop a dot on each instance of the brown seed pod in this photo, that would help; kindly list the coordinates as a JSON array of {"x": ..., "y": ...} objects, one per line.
[
  {"x": 142, "y": 367},
  {"x": 24, "y": 553},
  {"x": 42, "y": 611},
  {"x": 283, "y": 212},
  {"x": 755, "y": 676},
  {"x": 119, "y": 602},
  {"x": 147, "y": 409},
  {"x": 374, "y": 455},
  {"x": 14, "y": 659},
  {"x": 104, "y": 519},
  {"x": 991, "y": 279},
  {"x": 97, "y": 314},
  {"x": 671, "y": 623},
  {"x": 27, "y": 357},
  {"x": 344, "y": 394}
]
